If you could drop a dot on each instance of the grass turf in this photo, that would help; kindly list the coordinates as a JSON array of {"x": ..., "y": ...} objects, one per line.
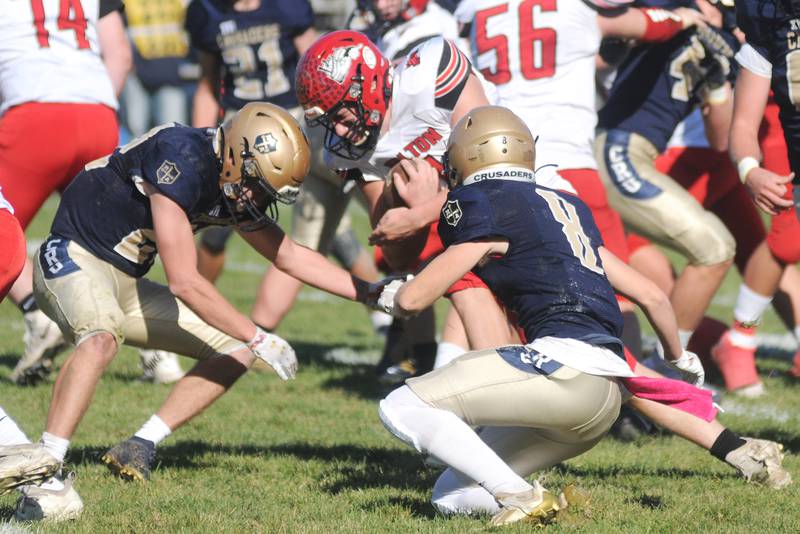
[{"x": 311, "y": 455}]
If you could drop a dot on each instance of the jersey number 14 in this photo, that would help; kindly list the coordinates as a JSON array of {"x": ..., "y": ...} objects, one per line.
[{"x": 70, "y": 17}]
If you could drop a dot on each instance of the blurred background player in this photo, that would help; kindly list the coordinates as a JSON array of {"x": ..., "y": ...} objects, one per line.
[
  {"x": 248, "y": 51},
  {"x": 165, "y": 71},
  {"x": 655, "y": 88},
  {"x": 61, "y": 66},
  {"x": 767, "y": 65}
]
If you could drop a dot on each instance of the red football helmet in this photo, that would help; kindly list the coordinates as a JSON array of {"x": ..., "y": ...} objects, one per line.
[{"x": 344, "y": 69}]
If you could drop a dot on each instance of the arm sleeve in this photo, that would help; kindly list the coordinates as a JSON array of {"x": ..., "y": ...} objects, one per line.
[
  {"x": 451, "y": 76},
  {"x": 109, "y": 6},
  {"x": 751, "y": 59},
  {"x": 297, "y": 16},
  {"x": 467, "y": 217},
  {"x": 177, "y": 168}
]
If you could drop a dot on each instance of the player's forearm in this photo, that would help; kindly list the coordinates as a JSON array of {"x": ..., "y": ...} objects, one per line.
[
  {"x": 661, "y": 316},
  {"x": 205, "y": 109},
  {"x": 206, "y": 301},
  {"x": 115, "y": 49},
  {"x": 428, "y": 212},
  {"x": 717, "y": 118},
  {"x": 314, "y": 269}
]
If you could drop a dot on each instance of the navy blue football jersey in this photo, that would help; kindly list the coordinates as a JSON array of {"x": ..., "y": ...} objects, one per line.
[
  {"x": 551, "y": 276},
  {"x": 775, "y": 34},
  {"x": 105, "y": 210},
  {"x": 651, "y": 94},
  {"x": 255, "y": 47}
]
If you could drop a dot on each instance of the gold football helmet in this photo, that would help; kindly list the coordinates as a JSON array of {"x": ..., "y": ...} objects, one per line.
[
  {"x": 488, "y": 137},
  {"x": 265, "y": 156}
]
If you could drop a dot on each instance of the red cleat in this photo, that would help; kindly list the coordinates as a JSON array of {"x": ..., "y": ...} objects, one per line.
[
  {"x": 738, "y": 367},
  {"x": 795, "y": 370}
]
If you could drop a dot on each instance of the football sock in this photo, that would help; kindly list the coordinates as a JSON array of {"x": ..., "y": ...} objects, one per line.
[
  {"x": 55, "y": 445},
  {"x": 446, "y": 352},
  {"x": 10, "y": 433},
  {"x": 446, "y": 437},
  {"x": 454, "y": 493},
  {"x": 685, "y": 336},
  {"x": 726, "y": 442},
  {"x": 747, "y": 313},
  {"x": 154, "y": 430},
  {"x": 28, "y": 304},
  {"x": 797, "y": 333},
  {"x": 52, "y": 484}
]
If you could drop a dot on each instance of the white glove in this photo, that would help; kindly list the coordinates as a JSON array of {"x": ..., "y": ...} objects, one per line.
[
  {"x": 388, "y": 294},
  {"x": 690, "y": 367},
  {"x": 276, "y": 352}
]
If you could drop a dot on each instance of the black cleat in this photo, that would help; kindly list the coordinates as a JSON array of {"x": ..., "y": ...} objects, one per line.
[{"x": 132, "y": 459}]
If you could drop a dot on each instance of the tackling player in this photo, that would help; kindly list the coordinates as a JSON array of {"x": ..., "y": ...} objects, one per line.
[
  {"x": 60, "y": 69},
  {"x": 149, "y": 197},
  {"x": 554, "y": 398}
]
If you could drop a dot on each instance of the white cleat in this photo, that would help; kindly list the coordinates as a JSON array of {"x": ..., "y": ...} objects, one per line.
[
  {"x": 759, "y": 461},
  {"x": 25, "y": 464},
  {"x": 43, "y": 341},
  {"x": 40, "y": 504},
  {"x": 160, "y": 366}
]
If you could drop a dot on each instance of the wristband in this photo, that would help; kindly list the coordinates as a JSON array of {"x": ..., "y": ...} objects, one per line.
[
  {"x": 662, "y": 25},
  {"x": 746, "y": 165},
  {"x": 717, "y": 96}
]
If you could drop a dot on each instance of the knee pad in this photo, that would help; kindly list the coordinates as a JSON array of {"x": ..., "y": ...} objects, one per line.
[
  {"x": 396, "y": 410},
  {"x": 346, "y": 248},
  {"x": 214, "y": 239}
]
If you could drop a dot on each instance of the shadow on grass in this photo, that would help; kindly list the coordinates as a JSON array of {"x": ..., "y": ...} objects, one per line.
[
  {"x": 615, "y": 471},
  {"x": 347, "y": 467},
  {"x": 421, "y": 508},
  {"x": 9, "y": 359},
  {"x": 6, "y": 514}
]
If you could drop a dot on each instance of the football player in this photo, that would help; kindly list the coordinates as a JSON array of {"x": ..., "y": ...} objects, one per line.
[
  {"x": 655, "y": 88},
  {"x": 60, "y": 69},
  {"x": 378, "y": 116},
  {"x": 767, "y": 61},
  {"x": 248, "y": 52},
  {"x": 397, "y": 26},
  {"x": 555, "y": 89},
  {"x": 540, "y": 252},
  {"x": 149, "y": 197}
]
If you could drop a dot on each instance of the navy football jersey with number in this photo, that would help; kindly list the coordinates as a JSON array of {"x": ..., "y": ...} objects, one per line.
[
  {"x": 651, "y": 95},
  {"x": 255, "y": 47},
  {"x": 775, "y": 34},
  {"x": 551, "y": 276},
  {"x": 105, "y": 209}
]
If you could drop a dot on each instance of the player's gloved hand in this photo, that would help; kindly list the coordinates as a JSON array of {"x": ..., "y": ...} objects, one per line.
[
  {"x": 373, "y": 291},
  {"x": 690, "y": 367},
  {"x": 386, "y": 299},
  {"x": 276, "y": 352}
]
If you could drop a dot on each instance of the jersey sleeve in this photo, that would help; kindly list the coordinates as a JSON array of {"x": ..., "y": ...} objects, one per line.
[
  {"x": 198, "y": 26},
  {"x": 451, "y": 76},
  {"x": 296, "y": 16},
  {"x": 177, "y": 166},
  {"x": 109, "y": 6},
  {"x": 467, "y": 217}
]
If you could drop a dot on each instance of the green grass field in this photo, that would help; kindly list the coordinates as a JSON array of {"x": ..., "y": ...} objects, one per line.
[{"x": 312, "y": 456}]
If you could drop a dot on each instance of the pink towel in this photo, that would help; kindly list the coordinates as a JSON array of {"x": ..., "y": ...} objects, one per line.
[{"x": 674, "y": 393}]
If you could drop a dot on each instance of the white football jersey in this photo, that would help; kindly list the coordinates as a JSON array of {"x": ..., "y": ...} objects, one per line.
[
  {"x": 435, "y": 20},
  {"x": 541, "y": 56},
  {"x": 419, "y": 125},
  {"x": 49, "y": 52}
]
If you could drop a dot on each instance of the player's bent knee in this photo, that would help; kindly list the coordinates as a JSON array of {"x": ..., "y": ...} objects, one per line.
[
  {"x": 397, "y": 413},
  {"x": 100, "y": 343},
  {"x": 714, "y": 244}
]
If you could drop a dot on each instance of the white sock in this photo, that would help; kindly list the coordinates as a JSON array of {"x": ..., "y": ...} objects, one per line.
[
  {"x": 685, "y": 336},
  {"x": 154, "y": 430},
  {"x": 55, "y": 445},
  {"x": 454, "y": 493},
  {"x": 10, "y": 433},
  {"x": 441, "y": 434},
  {"x": 52, "y": 484},
  {"x": 750, "y": 305},
  {"x": 446, "y": 352},
  {"x": 797, "y": 333}
]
